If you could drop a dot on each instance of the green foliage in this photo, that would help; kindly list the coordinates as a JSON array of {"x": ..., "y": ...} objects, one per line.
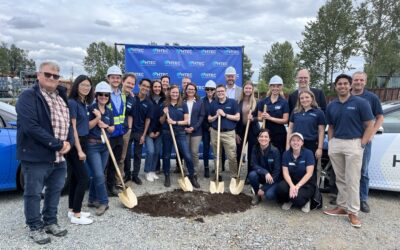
[
  {"x": 13, "y": 60},
  {"x": 280, "y": 60},
  {"x": 247, "y": 72},
  {"x": 329, "y": 41}
]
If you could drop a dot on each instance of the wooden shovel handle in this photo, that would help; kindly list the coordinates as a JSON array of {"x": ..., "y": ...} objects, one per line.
[{"x": 176, "y": 147}]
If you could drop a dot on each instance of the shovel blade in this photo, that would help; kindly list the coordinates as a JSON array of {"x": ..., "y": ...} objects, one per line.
[
  {"x": 128, "y": 198},
  {"x": 216, "y": 187},
  {"x": 236, "y": 186},
  {"x": 185, "y": 184}
]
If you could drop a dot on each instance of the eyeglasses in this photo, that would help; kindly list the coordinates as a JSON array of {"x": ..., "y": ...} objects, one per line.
[
  {"x": 49, "y": 75},
  {"x": 209, "y": 89},
  {"x": 103, "y": 94}
]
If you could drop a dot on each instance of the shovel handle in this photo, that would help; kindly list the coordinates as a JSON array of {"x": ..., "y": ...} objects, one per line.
[
  {"x": 218, "y": 149},
  {"x": 112, "y": 157},
  {"x": 265, "y": 110},
  {"x": 176, "y": 148}
]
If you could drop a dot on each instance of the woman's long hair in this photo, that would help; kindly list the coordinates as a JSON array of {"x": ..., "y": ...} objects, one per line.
[
  {"x": 167, "y": 101},
  {"x": 162, "y": 94},
  {"x": 252, "y": 99},
  {"x": 74, "y": 94},
  {"x": 269, "y": 93},
  {"x": 300, "y": 108}
]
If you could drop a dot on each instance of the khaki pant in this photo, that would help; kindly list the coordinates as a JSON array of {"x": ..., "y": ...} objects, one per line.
[
  {"x": 125, "y": 139},
  {"x": 194, "y": 142},
  {"x": 346, "y": 157},
  {"x": 228, "y": 141}
]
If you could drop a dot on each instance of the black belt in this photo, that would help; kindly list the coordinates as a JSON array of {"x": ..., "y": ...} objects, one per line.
[
  {"x": 92, "y": 140},
  {"x": 224, "y": 129}
]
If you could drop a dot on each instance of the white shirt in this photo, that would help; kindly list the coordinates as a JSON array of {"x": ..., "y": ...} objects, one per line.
[
  {"x": 231, "y": 92},
  {"x": 190, "y": 107}
]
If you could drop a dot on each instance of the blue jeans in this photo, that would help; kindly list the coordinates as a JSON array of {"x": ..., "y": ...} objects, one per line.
[
  {"x": 183, "y": 148},
  {"x": 97, "y": 156},
  {"x": 269, "y": 189},
  {"x": 364, "y": 181},
  {"x": 36, "y": 176},
  {"x": 206, "y": 147},
  {"x": 153, "y": 147}
]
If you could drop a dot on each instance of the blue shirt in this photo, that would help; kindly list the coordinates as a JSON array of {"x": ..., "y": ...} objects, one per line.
[
  {"x": 156, "y": 112},
  {"x": 268, "y": 161},
  {"x": 374, "y": 102},
  {"x": 107, "y": 118},
  {"x": 306, "y": 123},
  {"x": 230, "y": 107},
  {"x": 116, "y": 97},
  {"x": 78, "y": 110},
  {"x": 298, "y": 167},
  {"x": 142, "y": 110},
  {"x": 176, "y": 113},
  {"x": 277, "y": 110},
  {"x": 348, "y": 118}
]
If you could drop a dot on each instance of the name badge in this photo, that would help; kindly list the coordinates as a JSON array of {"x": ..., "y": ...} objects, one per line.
[
  {"x": 277, "y": 107},
  {"x": 292, "y": 164},
  {"x": 351, "y": 108}
]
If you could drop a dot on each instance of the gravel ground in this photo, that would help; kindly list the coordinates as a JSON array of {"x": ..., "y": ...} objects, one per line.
[{"x": 265, "y": 226}]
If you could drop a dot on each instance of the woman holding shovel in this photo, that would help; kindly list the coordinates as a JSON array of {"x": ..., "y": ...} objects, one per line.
[
  {"x": 100, "y": 118},
  {"x": 176, "y": 114}
]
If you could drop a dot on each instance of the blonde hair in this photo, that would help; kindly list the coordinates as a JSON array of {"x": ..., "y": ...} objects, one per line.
[
  {"x": 300, "y": 108},
  {"x": 252, "y": 99},
  {"x": 269, "y": 93}
]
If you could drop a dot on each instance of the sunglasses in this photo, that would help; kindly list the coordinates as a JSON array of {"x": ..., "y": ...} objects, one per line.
[
  {"x": 49, "y": 75},
  {"x": 103, "y": 94},
  {"x": 209, "y": 89}
]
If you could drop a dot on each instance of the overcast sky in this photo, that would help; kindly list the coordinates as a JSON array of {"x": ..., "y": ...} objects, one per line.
[{"x": 62, "y": 30}]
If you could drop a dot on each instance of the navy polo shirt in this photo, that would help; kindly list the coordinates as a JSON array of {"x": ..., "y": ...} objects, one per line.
[
  {"x": 230, "y": 107},
  {"x": 107, "y": 118},
  {"x": 298, "y": 167},
  {"x": 374, "y": 102},
  {"x": 141, "y": 110},
  {"x": 176, "y": 113},
  {"x": 306, "y": 123},
  {"x": 266, "y": 161},
  {"x": 276, "y": 110},
  {"x": 348, "y": 118},
  {"x": 78, "y": 110},
  {"x": 156, "y": 112}
]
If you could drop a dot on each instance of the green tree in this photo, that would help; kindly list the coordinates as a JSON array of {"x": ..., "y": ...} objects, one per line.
[
  {"x": 379, "y": 22},
  {"x": 99, "y": 58},
  {"x": 329, "y": 41},
  {"x": 280, "y": 60},
  {"x": 14, "y": 59},
  {"x": 247, "y": 72}
]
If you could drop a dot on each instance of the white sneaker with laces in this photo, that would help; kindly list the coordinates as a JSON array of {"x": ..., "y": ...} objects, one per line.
[
  {"x": 306, "y": 207},
  {"x": 155, "y": 176},
  {"x": 81, "y": 220},
  {"x": 83, "y": 214},
  {"x": 287, "y": 205},
  {"x": 149, "y": 177}
]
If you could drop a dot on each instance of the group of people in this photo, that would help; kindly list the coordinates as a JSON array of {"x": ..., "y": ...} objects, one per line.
[{"x": 281, "y": 162}]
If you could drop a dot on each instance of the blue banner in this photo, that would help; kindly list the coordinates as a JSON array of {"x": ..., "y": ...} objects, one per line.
[{"x": 200, "y": 64}]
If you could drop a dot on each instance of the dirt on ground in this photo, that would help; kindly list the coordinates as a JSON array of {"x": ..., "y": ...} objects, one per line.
[{"x": 191, "y": 204}]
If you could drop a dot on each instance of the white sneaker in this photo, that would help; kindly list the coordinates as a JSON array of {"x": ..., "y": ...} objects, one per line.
[
  {"x": 155, "y": 176},
  {"x": 83, "y": 214},
  {"x": 306, "y": 207},
  {"x": 149, "y": 177},
  {"x": 81, "y": 221},
  {"x": 287, "y": 205}
]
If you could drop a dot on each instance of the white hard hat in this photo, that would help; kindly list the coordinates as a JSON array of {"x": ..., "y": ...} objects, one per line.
[
  {"x": 210, "y": 84},
  {"x": 296, "y": 134},
  {"x": 114, "y": 70},
  {"x": 276, "y": 80},
  {"x": 103, "y": 87},
  {"x": 230, "y": 71}
]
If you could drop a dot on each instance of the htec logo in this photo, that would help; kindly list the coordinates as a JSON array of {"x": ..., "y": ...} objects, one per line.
[
  {"x": 196, "y": 64},
  {"x": 159, "y": 74},
  {"x": 208, "y": 51},
  {"x": 172, "y": 63},
  {"x": 136, "y": 50},
  {"x": 160, "y": 51},
  {"x": 208, "y": 75},
  {"x": 184, "y": 51},
  {"x": 183, "y": 74},
  {"x": 139, "y": 74},
  {"x": 231, "y": 52},
  {"x": 219, "y": 64},
  {"x": 148, "y": 63}
]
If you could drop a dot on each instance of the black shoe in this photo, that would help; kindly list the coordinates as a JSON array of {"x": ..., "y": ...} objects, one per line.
[
  {"x": 127, "y": 178},
  {"x": 167, "y": 181},
  {"x": 206, "y": 172},
  {"x": 256, "y": 199},
  {"x": 113, "y": 192},
  {"x": 364, "y": 207},
  {"x": 194, "y": 182},
  {"x": 137, "y": 180}
]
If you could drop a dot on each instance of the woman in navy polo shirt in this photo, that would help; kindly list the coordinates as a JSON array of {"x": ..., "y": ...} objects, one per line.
[
  {"x": 196, "y": 116},
  {"x": 308, "y": 120},
  {"x": 298, "y": 187},
  {"x": 277, "y": 114},
  {"x": 80, "y": 97},
  {"x": 100, "y": 117},
  {"x": 266, "y": 161},
  {"x": 179, "y": 118},
  {"x": 153, "y": 138}
]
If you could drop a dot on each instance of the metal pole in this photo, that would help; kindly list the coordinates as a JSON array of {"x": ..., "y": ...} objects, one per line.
[
  {"x": 115, "y": 54},
  {"x": 242, "y": 65}
]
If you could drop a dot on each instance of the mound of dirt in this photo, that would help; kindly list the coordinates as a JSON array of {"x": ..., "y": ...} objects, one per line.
[{"x": 191, "y": 204}]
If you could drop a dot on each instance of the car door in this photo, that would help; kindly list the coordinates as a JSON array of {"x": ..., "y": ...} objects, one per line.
[{"x": 5, "y": 156}]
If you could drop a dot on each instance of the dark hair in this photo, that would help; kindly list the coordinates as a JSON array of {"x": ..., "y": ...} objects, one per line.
[
  {"x": 162, "y": 94},
  {"x": 74, "y": 94},
  {"x": 257, "y": 146},
  {"x": 144, "y": 80},
  {"x": 109, "y": 98},
  {"x": 165, "y": 76},
  {"x": 167, "y": 101},
  {"x": 220, "y": 86},
  {"x": 195, "y": 91},
  {"x": 126, "y": 75},
  {"x": 262, "y": 131},
  {"x": 343, "y": 76}
]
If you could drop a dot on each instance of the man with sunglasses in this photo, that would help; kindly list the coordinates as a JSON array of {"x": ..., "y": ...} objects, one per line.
[{"x": 44, "y": 136}]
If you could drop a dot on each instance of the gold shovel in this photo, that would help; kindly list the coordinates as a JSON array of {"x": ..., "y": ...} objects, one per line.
[
  {"x": 183, "y": 182},
  {"x": 127, "y": 197},
  {"x": 265, "y": 110},
  {"x": 217, "y": 186}
]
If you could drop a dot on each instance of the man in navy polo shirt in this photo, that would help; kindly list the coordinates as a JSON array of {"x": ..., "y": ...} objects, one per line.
[
  {"x": 358, "y": 89},
  {"x": 141, "y": 122},
  {"x": 228, "y": 109},
  {"x": 350, "y": 123}
]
